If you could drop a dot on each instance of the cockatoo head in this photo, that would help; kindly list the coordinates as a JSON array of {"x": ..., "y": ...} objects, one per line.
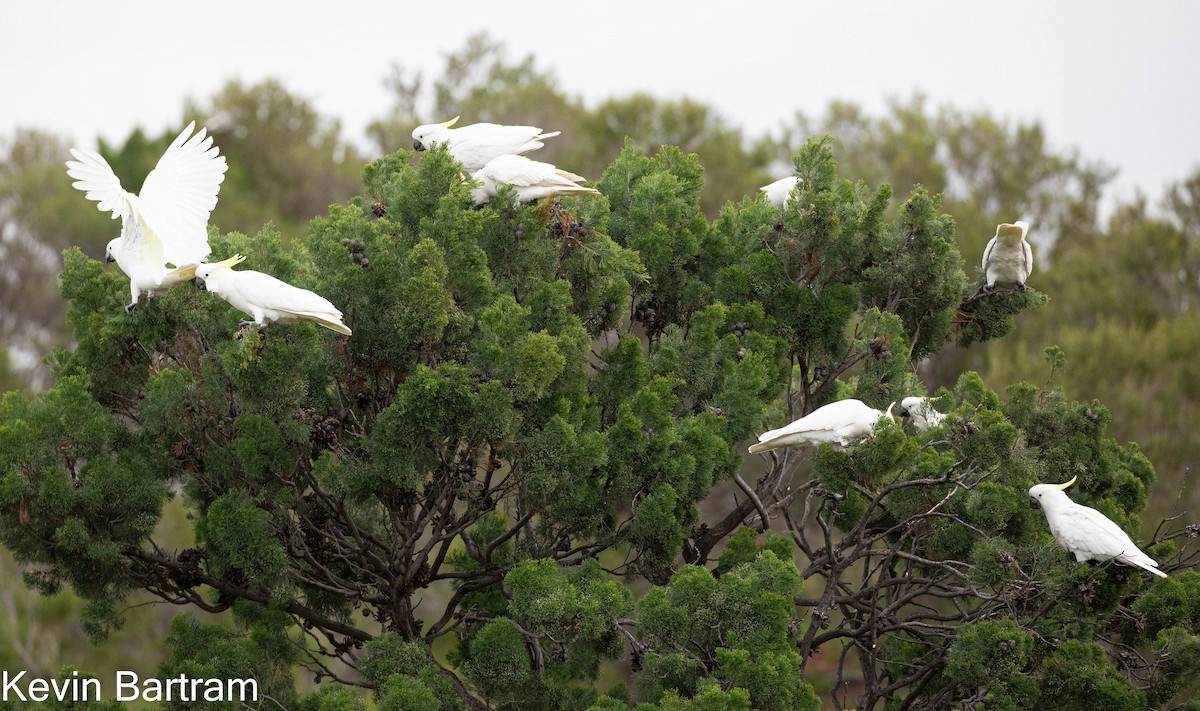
[
  {"x": 918, "y": 411},
  {"x": 1011, "y": 234},
  {"x": 110, "y": 252},
  {"x": 209, "y": 275},
  {"x": 909, "y": 405},
  {"x": 425, "y": 136},
  {"x": 1049, "y": 496}
]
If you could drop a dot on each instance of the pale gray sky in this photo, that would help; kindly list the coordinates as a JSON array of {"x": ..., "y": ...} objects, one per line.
[{"x": 1115, "y": 79}]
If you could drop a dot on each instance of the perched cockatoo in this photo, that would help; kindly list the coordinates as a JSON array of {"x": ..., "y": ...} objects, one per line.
[
  {"x": 475, "y": 145},
  {"x": 267, "y": 299},
  {"x": 1008, "y": 258},
  {"x": 164, "y": 229},
  {"x": 780, "y": 192},
  {"x": 530, "y": 178},
  {"x": 837, "y": 423},
  {"x": 921, "y": 412},
  {"x": 1086, "y": 532}
]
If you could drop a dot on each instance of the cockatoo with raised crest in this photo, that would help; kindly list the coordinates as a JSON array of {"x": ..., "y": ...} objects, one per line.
[
  {"x": 531, "y": 180},
  {"x": 164, "y": 228},
  {"x": 477, "y": 144},
  {"x": 1086, "y": 532},
  {"x": 267, "y": 299},
  {"x": 838, "y": 423},
  {"x": 1008, "y": 258}
]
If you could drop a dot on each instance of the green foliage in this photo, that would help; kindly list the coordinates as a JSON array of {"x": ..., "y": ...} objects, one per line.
[
  {"x": 734, "y": 628},
  {"x": 1078, "y": 676},
  {"x": 529, "y": 425},
  {"x": 496, "y": 660},
  {"x": 262, "y": 652}
]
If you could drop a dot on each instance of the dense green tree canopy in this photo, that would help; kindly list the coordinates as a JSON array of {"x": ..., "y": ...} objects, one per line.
[
  {"x": 524, "y": 468},
  {"x": 521, "y": 481}
]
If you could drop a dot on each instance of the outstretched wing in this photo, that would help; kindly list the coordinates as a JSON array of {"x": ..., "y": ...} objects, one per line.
[
  {"x": 180, "y": 193},
  {"x": 98, "y": 181}
]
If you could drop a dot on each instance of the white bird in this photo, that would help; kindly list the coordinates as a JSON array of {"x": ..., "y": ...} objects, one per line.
[
  {"x": 779, "y": 193},
  {"x": 530, "y": 178},
  {"x": 1008, "y": 259},
  {"x": 267, "y": 299},
  {"x": 1086, "y": 532},
  {"x": 164, "y": 229},
  {"x": 477, "y": 144},
  {"x": 837, "y": 423},
  {"x": 921, "y": 411}
]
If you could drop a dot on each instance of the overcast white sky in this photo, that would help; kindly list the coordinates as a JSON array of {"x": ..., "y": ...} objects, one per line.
[{"x": 1115, "y": 79}]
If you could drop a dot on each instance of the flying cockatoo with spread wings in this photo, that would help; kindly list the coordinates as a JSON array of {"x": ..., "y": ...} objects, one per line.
[
  {"x": 531, "y": 180},
  {"x": 1008, "y": 258},
  {"x": 164, "y": 228},
  {"x": 1086, "y": 532},
  {"x": 267, "y": 299},
  {"x": 921, "y": 412},
  {"x": 475, "y": 145},
  {"x": 779, "y": 192},
  {"x": 837, "y": 423}
]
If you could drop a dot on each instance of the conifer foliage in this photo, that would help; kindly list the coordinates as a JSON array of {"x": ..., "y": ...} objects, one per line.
[{"x": 490, "y": 495}]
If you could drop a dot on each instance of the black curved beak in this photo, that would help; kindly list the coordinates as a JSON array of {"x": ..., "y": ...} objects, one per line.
[
  {"x": 417, "y": 145},
  {"x": 109, "y": 258},
  {"x": 1033, "y": 504},
  {"x": 200, "y": 284}
]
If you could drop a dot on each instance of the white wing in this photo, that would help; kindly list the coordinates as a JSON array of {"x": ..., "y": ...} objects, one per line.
[
  {"x": 180, "y": 193},
  {"x": 1081, "y": 528},
  {"x": 779, "y": 191},
  {"x": 831, "y": 417},
  {"x": 519, "y": 171},
  {"x": 494, "y": 134},
  {"x": 987, "y": 252},
  {"x": 267, "y": 292},
  {"x": 94, "y": 176},
  {"x": 476, "y": 145}
]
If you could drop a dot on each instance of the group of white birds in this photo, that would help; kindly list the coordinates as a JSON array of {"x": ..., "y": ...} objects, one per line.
[
  {"x": 1007, "y": 262},
  {"x": 164, "y": 241},
  {"x": 164, "y": 234},
  {"x": 1082, "y": 530},
  {"x": 491, "y": 153}
]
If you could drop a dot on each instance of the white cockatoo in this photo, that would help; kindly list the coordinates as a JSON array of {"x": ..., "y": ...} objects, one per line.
[
  {"x": 164, "y": 229},
  {"x": 1008, "y": 259},
  {"x": 837, "y": 423},
  {"x": 267, "y": 299},
  {"x": 531, "y": 180},
  {"x": 1086, "y": 532},
  {"x": 475, "y": 145},
  {"x": 921, "y": 412},
  {"x": 779, "y": 193}
]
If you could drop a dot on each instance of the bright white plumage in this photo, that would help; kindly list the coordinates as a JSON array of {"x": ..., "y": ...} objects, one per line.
[
  {"x": 477, "y": 144},
  {"x": 1008, "y": 258},
  {"x": 837, "y": 423},
  {"x": 531, "y": 180},
  {"x": 1086, "y": 532},
  {"x": 267, "y": 299},
  {"x": 921, "y": 411},
  {"x": 164, "y": 229},
  {"x": 779, "y": 192}
]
